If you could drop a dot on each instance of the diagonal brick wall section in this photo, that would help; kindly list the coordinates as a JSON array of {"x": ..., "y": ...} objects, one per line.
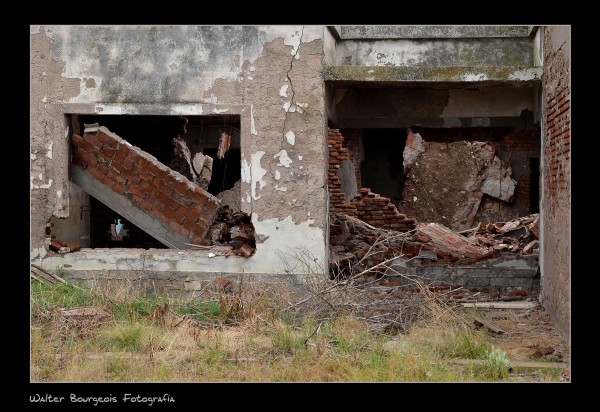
[{"x": 159, "y": 200}]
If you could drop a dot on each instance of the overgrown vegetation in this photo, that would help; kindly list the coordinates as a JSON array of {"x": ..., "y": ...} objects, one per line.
[{"x": 250, "y": 335}]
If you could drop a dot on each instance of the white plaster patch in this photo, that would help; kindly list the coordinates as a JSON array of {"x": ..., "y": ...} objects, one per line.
[
  {"x": 49, "y": 151},
  {"x": 290, "y": 137},
  {"x": 281, "y": 189},
  {"x": 286, "y": 240},
  {"x": 248, "y": 198},
  {"x": 257, "y": 173},
  {"x": 44, "y": 99},
  {"x": 42, "y": 186},
  {"x": 33, "y": 156},
  {"x": 299, "y": 157},
  {"x": 252, "y": 128},
  {"x": 38, "y": 253},
  {"x": 295, "y": 107},
  {"x": 183, "y": 109},
  {"x": 524, "y": 75},
  {"x": 59, "y": 194},
  {"x": 284, "y": 159},
  {"x": 245, "y": 171},
  {"x": 249, "y": 78},
  {"x": 414, "y": 199},
  {"x": 474, "y": 77},
  {"x": 277, "y": 175},
  {"x": 251, "y": 68},
  {"x": 297, "y": 56},
  {"x": 215, "y": 110},
  {"x": 108, "y": 109},
  {"x": 283, "y": 90}
]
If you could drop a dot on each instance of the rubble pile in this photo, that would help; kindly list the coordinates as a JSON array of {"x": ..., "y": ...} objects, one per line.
[
  {"x": 356, "y": 246},
  {"x": 518, "y": 235},
  {"x": 232, "y": 233}
]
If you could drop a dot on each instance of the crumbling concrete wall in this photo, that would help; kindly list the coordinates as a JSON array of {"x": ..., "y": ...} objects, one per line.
[
  {"x": 515, "y": 147},
  {"x": 556, "y": 178},
  {"x": 269, "y": 75},
  {"x": 445, "y": 182}
]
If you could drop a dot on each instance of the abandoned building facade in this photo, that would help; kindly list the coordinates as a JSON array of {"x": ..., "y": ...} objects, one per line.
[{"x": 153, "y": 145}]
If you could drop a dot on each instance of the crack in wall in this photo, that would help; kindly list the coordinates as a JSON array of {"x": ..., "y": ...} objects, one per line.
[{"x": 287, "y": 75}]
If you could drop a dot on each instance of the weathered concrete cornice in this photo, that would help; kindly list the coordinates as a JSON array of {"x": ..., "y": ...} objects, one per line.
[
  {"x": 429, "y": 32},
  {"x": 380, "y": 74}
]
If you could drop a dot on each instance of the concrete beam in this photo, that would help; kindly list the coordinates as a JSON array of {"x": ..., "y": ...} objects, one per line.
[
  {"x": 123, "y": 206},
  {"x": 428, "y": 32},
  {"x": 461, "y": 75}
]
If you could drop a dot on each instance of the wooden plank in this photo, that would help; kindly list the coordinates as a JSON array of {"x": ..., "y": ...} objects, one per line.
[
  {"x": 490, "y": 325},
  {"x": 500, "y": 305}
]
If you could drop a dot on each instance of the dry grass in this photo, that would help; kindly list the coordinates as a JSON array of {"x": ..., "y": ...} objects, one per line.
[{"x": 250, "y": 337}]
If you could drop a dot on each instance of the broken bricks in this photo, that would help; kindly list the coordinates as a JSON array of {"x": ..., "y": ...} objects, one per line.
[{"x": 234, "y": 230}]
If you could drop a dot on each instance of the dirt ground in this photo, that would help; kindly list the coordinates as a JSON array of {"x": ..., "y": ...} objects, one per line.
[{"x": 529, "y": 339}]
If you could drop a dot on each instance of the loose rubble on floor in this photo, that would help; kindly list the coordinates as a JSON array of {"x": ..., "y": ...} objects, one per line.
[
  {"x": 356, "y": 245},
  {"x": 231, "y": 234}
]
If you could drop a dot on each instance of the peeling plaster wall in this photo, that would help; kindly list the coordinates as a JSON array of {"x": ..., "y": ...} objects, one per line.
[
  {"x": 182, "y": 70},
  {"x": 556, "y": 177}
]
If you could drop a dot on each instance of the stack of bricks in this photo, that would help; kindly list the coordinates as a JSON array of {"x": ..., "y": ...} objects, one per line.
[
  {"x": 337, "y": 154},
  {"x": 151, "y": 186},
  {"x": 378, "y": 211}
]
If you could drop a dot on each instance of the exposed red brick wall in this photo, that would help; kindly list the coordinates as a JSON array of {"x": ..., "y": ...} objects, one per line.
[
  {"x": 367, "y": 206},
  {"x": 557, "y": 142},
  {"x": 150, "y": 185},
  {"x": 379, "y": 211},
  {"x": 352, "y": 143},
  {"x": 556, "y": 176},
  {"x": 517, "y": 140},
  {"x": 337, "y": 154},
  {"x": 522, "y": 191}
]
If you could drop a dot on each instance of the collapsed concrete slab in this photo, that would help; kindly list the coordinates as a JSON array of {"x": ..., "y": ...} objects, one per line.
[
  {"x": 157, "y": 199},
  {"x": 445, "y": 182}
]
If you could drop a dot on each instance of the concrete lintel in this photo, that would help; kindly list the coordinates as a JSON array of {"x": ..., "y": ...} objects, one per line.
[
  {"x": 461, "y": 75},
  {"x": 426, "y": 32},
  {"x": 444, "y": 122},
  {"x": 158, "y": 109}
]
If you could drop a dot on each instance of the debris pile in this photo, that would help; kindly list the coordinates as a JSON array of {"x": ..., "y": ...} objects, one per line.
[
  {"x": 518, "y": 235},
  {"x": 356, "y": 246},
  {"x": 231, "y": 233},
  {"x": 58, "y": 246}
]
